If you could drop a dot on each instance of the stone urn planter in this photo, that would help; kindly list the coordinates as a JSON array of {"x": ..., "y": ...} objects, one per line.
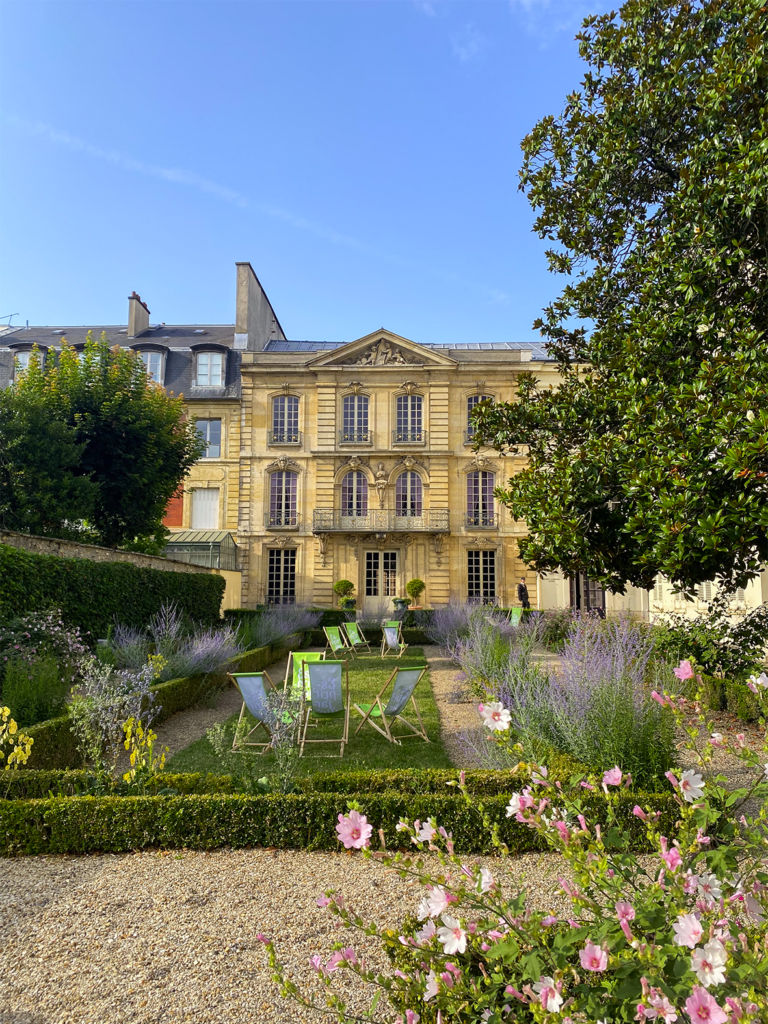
[{"x": 401, "y": 604}]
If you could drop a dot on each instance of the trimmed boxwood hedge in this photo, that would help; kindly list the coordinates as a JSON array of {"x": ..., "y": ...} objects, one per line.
[
  {"x": 55, "y": 746},
  {"x": 93, "y": 594},
  {"x": 293, "y": 821},
  {"x": 732, "y": 696}
]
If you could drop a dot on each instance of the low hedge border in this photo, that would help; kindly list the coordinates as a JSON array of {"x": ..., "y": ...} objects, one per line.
[
  {"x": 55, "y": 747},
  {"x": 734, "y": 697},
  {"x": 413, "y": 637},
  {"x": 295, "y": 821}
]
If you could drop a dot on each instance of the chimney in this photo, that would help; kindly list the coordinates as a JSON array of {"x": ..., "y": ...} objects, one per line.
[
  {"x": 255, "y": 320},
  {"x": 138, "y": 316}
]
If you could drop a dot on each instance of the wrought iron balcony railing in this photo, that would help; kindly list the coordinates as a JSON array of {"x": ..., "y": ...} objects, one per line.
[
  {"x": 281, "y": 520},
  {"x": 281, "y": 599},
  {"x": 410, "y": 435},
  {"x": 381, "y": 520},
  {"x": 481, "y": 521},
  {"x": 355, "y": 435},
  {"x": 292, "y": 437}
]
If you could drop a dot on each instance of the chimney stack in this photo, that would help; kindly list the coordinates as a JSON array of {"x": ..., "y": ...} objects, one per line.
[
  {"x": 255, "y": 320},
  {"x": 138, "y": 316}
]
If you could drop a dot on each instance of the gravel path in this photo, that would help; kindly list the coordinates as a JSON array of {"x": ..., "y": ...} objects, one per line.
[{"x": 171, "y": 937}]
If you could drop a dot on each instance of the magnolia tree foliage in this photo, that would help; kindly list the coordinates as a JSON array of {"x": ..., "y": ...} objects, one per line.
[
  {"x": 117, "y": 430},
  {"x": 652, "y": 186},
  {"x": 677, "y": 934}
]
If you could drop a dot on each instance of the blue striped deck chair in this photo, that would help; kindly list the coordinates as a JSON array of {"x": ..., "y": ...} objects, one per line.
[
  {"x": 328, "y": 700},
  {"x": 391, "y": 642},
  {"x": 405, "y": 682},
  {"x": 336, "y": 642},
  {"x": 355, "y": 636},
  {"x": 253, "y": 690}
]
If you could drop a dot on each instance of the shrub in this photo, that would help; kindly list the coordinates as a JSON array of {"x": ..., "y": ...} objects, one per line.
[
  {"x": 35, "y": 691},
  {"x": 415, "y": 588},
  {"x": 343, "y": 588},
  {"x": 92, "y": 595},
  {"x": 274, "y": 624}
]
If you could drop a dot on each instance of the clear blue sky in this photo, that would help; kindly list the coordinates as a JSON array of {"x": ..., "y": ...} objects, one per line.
[{"x": 362, "y": 155}]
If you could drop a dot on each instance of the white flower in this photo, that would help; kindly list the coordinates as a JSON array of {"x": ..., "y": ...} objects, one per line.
[
  {"x": 426, "y": 832},
  {"x": 423, "y": 935},
  {"x": 431, "y": 989},
  {"x": 486, "y": 880},
  {"x": 709, "y": 887},
  {"x": 434, "y": 904},
  {"x": 495, "y": 716},
  {"x": 703, "y": 328},
  {"x": 761, "y": 681},
  {"x": 514, "y": 806},
  {"x": 709, "y": 963},
  {"x": 750, "y": 415},
  {"x": 550, "y": 998},
  {"x": 452, "y": 936},
  {"x": 691, "y": 786}
]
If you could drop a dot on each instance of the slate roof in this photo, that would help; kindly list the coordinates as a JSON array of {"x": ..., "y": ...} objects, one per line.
[{"x": 538, "y": 351}]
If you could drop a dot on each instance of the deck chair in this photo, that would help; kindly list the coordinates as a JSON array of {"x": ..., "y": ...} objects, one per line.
[
  {"x": 395, "y": 624},
  {"x": 253, "y": 690},
  {"x": 295, "y": 672},
  {"x": 336, "y": 642},
  {"x": 515, "y": 615},
  {"x": 328, "y": 699},
  {"x": 391, "y": 642},
  {"x": 406, "y": 681},
  {"x": 355, "y": 636}
]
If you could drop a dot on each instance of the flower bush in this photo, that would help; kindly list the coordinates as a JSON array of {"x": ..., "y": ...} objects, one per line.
[
  {"x": 15, "y": 746},
  {"x": 274, "y": 624},
  {"x": 677, "y": 935}
]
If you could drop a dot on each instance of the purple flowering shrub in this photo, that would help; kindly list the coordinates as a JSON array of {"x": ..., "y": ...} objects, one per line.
[
  {"x": 678, "y": 934},
  {"x": 452, "y": 624},
  {"x": 276, "y": 623}
]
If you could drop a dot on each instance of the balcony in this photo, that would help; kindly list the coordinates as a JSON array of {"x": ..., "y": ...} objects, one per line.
[
  {"x": 481, "y": 521},
  {"x": 409, "y": 435},
  {"x": 383, "y": 520},
  {"x": 355, "y": 435},
  {"x": 281, "y": 520},
  {"x": 292, "y": 438}
]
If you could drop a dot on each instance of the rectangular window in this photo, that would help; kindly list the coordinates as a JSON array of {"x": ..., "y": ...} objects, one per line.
[
  {"x": 153, "y": 361},
  {"x": 209, "y": 369},
  {"x": 285, "y": 420},
  {"x": 281, "y": 576},
  {"x": 481, "y": 576},
  {"x": 282, "y": 498},
  {"x": 705, "y": 592},
  {"x": 409, "y": 420},
  {"x": 210, "y": 431},
  {"x": 205, "y": 508},
  {"x": 355, "y": 419},
  {"x": 21, "y": 362},
  {"x": 381, "y": 574}
]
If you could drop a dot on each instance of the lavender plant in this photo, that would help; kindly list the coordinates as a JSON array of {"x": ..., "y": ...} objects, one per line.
[{"x": 276, "y": 623}]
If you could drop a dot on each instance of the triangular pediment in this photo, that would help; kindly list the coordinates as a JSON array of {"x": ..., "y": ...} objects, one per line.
[{"x": 381, "y": 349}]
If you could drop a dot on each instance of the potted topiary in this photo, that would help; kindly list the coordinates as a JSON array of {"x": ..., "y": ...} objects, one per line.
[
  {"x": 414, "y": 589},
  {"x": 400, "y": 603},
  {"x": 343, "y": 588}
]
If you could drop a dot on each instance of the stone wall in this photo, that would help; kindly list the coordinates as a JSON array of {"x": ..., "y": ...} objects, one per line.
[{"x": 71, "y": 549}]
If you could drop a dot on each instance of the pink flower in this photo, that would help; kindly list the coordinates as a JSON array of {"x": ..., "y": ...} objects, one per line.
[
  {"x": 612, "y": 777},
  {"x": 354, "y": 830},
  {"x": 593, "y": 958},
  {"x": 673, "y": 860},
  {"x": 435, "y": 903},
  {"x": 659, "y": 699},
  {"x": 423, "y": 935},
  {"x": 684, "y": 670},
  {"x": 548, "y": 921},
  {"x": 495, "y": 716},
  {"x": 625, "y": 911},
  {"x": 323, "y": 901},
  {"x": 688, "y": 930},
  {"x": 425, "y": 833},
  {"x": 317, "y": 964},
  {"x": 452, "y": 936},
  {"x": 431, "y": 990},
  {"x": 660, "y": 1008},
  {"x": 411, "y": 1017},
  {"x": 546, "y": 990},
  {"x": 638, "y": 812},
  {"x": 702, "y": 1008}
]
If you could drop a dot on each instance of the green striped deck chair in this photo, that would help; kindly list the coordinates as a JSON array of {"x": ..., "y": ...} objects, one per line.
[
  {"x": 295, "y": 673},
  {"x": 515, "y": 615},
  {"x": 355, "y": 636},
  {"x": 405, "y": 682},
  {"x": 336, "y": 642},
  {"x": 328, "y": 700}
]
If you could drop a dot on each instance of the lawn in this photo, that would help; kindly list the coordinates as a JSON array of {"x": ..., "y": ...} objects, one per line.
[{"x": 367, "y": 675}]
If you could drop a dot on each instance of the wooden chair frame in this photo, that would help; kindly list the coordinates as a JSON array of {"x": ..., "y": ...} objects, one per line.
[
  {"x": 362, "y": 642},
  {"x": 385, "y": 647},
  {"x": 320, "y": 717},
  {"x": 420, "y": 733},
  {"x": 345, "y": 648},
  {"x": 244, "y": 742}
]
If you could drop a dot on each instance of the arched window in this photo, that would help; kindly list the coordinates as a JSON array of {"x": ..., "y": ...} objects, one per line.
[
  {"x": 480, "y": 486},
  {"x": 282, "y": 499},
  {"x": 408, "y": 495},
  {"x": 354, "y": 426},
  {"x": 409, "y": 424},
  {"x": 285, "y": 420},
  {"x": 354, "y": 494},
  {"x": 472, "y": 402}
]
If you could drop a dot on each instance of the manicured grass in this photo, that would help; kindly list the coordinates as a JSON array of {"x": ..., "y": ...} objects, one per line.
[{"x": 367, "y": 674}]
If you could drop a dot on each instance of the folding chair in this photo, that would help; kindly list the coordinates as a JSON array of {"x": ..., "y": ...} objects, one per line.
[
  {"x": 355, "y": 636},
  {"x": 328, "y": 699},
  {"x": 336, "y": 642},
  {"x": 391, "y": 642},
  {"x": 515, "y": 615},
  {"x": 254, "y": 694},
  {"x": 406, "y": 681},
  {"x": 296, "y": 672}
]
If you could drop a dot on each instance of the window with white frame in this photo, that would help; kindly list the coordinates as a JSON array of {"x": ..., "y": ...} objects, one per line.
[
  {"x": 205, "y": 508},
  {"x": 472, "y": 402},
  {"x": 381, "y": 574},
  {"x": 210, "y": 369},
  {"x": 354, "y": 419},
  {"x": 480, "y": 486},
  {"x": 283, "y": 487},
  {"x": 408, "y": 495},
  {"x": 21, "y": 362},
  {"x": 354, "y": 495},
  {"x": 281, "y": 576},
  {"x": 153, "y": 362},
  {"x": 210, "y": 431},
  {"x": 481, "y": 576},
  {"x": 285, "y": 420},
  {"x": 704, "y": 592},
  {"x": 409, "y": 418}
]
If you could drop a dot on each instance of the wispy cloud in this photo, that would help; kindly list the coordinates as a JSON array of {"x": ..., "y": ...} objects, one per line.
[
  {"x": 190, "y": 179},
  {"x": 545, "y": 19},
  {"x": 468, "y": 44},
  {"x": 427, "y": 7}
]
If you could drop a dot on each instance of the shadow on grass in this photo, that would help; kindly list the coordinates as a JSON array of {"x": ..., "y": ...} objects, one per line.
[{"x": 367, "y": 749}]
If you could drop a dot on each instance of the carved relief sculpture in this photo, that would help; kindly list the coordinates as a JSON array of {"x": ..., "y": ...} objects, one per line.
[
  {"x": 381, "y": 483},
  {"x": 384, "y": 353}
]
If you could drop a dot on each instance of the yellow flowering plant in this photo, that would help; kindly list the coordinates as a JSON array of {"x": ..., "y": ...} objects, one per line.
[
  {"x": 19, "y": 742},
  {"x": 140, "y": 744}
]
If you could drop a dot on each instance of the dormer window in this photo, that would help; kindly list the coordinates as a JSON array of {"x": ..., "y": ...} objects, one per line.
[
  {"x": 210, "y": 369},
  {"x": 153, "y": 361},
  {"x": 21, "y": 362}
]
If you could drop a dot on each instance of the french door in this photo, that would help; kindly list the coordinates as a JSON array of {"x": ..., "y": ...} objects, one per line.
[{"x": 381, "y": 574}]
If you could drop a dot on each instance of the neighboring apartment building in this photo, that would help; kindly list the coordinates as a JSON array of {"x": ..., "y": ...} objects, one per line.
[{"x": 341, "y": 460}]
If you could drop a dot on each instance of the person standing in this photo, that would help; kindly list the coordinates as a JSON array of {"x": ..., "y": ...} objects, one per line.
[{"x": 522, "y": 593}]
